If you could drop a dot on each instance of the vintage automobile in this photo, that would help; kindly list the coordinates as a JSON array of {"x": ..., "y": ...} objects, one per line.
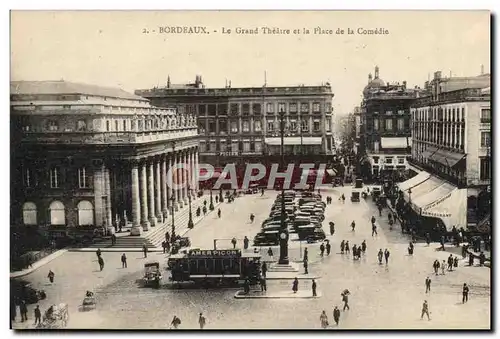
[
  {"x": 311, "y": 233},
  {"x": 358, "y": 183},
  {"x": 152, "y": 274},
  {"x": 376, "y": 191},
  {"x": 355, "y": 196},
  {"x": 89, "y": 301},
  {"x": 56, "y": 317},
  {"x": 266, "y": 238}
]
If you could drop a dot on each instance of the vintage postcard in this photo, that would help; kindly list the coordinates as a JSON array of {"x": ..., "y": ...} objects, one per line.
[{"x": 190, "y": 170}]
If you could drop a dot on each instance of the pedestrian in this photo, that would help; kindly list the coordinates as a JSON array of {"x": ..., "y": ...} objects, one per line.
[
  {"x": 332, "y": 228},
  {"x": 425, "y": 310},
  {"x": 264, "y": 269},
  {"x": 347, "y": 249},
  {"x": 204, "y": 210},
  {"x": 455, "y": 262},
  {"x": 305, "y": 267},
  {"x": 263, "y": 285},
  {"x": 245, "y": 243},
  {"x": 386, "y": 256},
  {"x": 324, "y": 320},
  {"x": 101, "y": 263},
  {"x": 113, "y": 239},
  {"x": 98, "y": 253},
  {"x": 443, "y": 267},
  {"x": 363, "y": 246},
  {"x": 252, "y": 217},
  {"x": 342, "y": 246},
  {"x": 175, "y": 322},
  {"x": 380, "y": 254},
  {"x": 218, "y": 213},
  {"x": 167, "y": 236},
  {"x": 410, "y": 248},
  {"x": 482, "y": 259},
  {"x": 270, "y": 253},
  {"x": 436, "y": 266},
  {"x": 380, "y": 210},
  {"x": 23, "y": 309},
  {"x": 374, "y": 229},
  {"x": 295, "y": 285},
  {"x": 313, "y": 286},
  {"x": 354, "y": 252},
  {"x": 373, "y": 219},
  {"x": 322, "y": 249},
  {"x": 465, "y": 293},
  {"x": 145, "y": 250},
  {"x": 336, "y": 315},
  {"x": 202, "y": 321},
  {"x": 51, "y": 276},
  {"x": 328, "y": 248},
  {"x": 233, "y": 241},
  {"x": 471, "y": 259},
  {"x": 353, "y": 225},
  {"x": 306, "y": 254},
  {"x": 345, "y": 299},
  {"x": 38, "y": 315},
  {"x": 427, "y": 238},
  {"x": 124, "y": 261},
  {"x": 442, "y": 243},
  {"x": 164, "y": 246},
  {"x": 427, "y": 285},
  {"x": 450, "y": 263}
]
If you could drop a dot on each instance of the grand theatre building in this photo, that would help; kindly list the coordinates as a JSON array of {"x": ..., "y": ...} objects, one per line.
[{"x": 84, "y": 156}]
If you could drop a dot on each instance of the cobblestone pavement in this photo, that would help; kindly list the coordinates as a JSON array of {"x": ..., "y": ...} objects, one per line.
[{"x": 382, "y": 297}]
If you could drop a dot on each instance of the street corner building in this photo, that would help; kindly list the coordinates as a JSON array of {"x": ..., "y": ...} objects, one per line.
[
  {"x": 450, "y": 155},
  {"x": 86, "y": 157},
  {"x": 242, "y": 125}
]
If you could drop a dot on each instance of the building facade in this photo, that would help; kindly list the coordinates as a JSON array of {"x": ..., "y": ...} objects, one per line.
[
  {"x": 238, "y": 124},
  {"x": 84, "y": 156},
  {"x": 385, "y": 126},
  {"x": 451, "y": 136}
]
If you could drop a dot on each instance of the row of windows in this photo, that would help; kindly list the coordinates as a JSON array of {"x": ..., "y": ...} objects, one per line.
[
  {"x": 272, "y": 125},
  {"x": 443, "y": 134},
  {"x": 231, "y": 146},
  {"x": 57, "y": 213},
  {"x": 387, "y": 160},
  {"x": 30, "y": 178},
  {"x": 400, "y": 124},
  {"x": 389, "y": 112},
  {"x": 255, "y": 108}
]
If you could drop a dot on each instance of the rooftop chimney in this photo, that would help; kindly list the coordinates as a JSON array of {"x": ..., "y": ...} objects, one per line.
[
  {"x": 376, "y": 72},
  {"x": 369, "y": 78},
  {"x": 168, "y": 81}
]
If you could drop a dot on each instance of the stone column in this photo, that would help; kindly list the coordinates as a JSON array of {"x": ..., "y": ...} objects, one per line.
[
  {"x": 151, "y": 192},
  {"x": 177, "y": 179},
  {"x": 192, "y": 174},
  {"x": 158, "y": 193},
  {"x": 197, "y": 170},
  {"x": 184, "y": 189},
  {"x": 144, "y": 198},
  {"x": 99, "y": 191},
  {"x": 109, "y": 215},
  {"x": 136, "y": 201},
  {"x": 164, "y": 184},
  {"x": 170, "y": 192}
]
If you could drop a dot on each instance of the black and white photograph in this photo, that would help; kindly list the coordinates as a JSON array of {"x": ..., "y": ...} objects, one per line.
[{"x": 250, "y": 170}]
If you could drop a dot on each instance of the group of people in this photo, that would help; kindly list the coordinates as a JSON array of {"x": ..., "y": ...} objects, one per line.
[
  {"x": 449, "y": 264},
  {"x": 356, "y": 250},
  {"x": 336, "y": 311},
  {"x": 176, "y": 322}
]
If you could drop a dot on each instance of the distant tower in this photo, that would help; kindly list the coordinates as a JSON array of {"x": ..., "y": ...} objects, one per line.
[
  {"x": 376, "y": 72},
  {"x": 369, "y": 78},
  {"x": 168, "y": 81}
]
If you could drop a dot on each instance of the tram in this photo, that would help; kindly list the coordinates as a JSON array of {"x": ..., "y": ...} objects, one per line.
[{"x": 215, "y": 267}]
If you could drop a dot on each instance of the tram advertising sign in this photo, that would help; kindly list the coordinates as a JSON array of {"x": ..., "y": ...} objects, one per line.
[{"x": 214, "y": 253}]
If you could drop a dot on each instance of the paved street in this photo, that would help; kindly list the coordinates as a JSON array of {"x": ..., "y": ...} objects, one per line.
[{"x": 381, "y": 296}]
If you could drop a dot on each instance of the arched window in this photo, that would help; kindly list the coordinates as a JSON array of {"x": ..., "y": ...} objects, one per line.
[
  {"x": 29, "y": 213},
  {"x": 57, "y": 214},
  {"x": 85, "y": 213}
]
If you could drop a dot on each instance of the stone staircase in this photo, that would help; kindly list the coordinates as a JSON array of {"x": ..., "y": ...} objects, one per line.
[{"x": 155, "y": 235}]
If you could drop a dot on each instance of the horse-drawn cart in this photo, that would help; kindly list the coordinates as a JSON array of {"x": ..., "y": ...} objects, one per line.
[
  {"x": 56, "y": 317},
  {"x": 89, "y": 302}
]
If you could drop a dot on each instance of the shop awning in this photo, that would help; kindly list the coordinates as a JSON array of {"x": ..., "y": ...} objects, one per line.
[
  {"x": 429, "y": 152},
  {"x": 451, "y": 208},
  {"x": 447, "y": 158},
  {"x": 412, "y": 182},
  {"x": 423, "y": 188},
  {"x": 294, "y": 141},
  {"x": 395, "y": 142},
  {"x": 426, "y": 201}
]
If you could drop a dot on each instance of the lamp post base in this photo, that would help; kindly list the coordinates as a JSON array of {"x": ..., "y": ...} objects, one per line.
[{"x": 289, "y": 267}]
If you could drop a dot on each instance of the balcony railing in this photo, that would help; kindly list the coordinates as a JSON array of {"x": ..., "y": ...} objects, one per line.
[{"x": 459, "y": 182}]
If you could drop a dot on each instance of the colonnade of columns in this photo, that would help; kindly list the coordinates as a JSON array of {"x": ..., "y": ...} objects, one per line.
[{"x": 153, "y": 198}]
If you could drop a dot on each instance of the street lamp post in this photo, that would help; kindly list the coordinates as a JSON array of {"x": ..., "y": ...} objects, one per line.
[
  {"x": 283, "y": 259},
  {"x": 172, "y": 237},
  {"x": 190, "y": 221}
]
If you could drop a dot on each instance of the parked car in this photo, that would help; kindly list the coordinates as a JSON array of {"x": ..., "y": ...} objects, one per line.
[{"x": 266, "y": 238}]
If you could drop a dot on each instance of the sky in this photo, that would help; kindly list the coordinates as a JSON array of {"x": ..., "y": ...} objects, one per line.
[{"x": 126, "y": 49}]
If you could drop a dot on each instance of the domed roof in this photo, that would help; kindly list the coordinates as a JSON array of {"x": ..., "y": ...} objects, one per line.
[{"x": 375, "y": 83}]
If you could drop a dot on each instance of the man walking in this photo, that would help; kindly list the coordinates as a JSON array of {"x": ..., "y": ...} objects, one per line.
[
  {"x": 374, "y": 229},
  {"x": 314, "y": 288},
  {"x": 345, "y": 299},
  {"x": 51, "y": 276},
  {"x": 465, "y": 294},
  {"x": 23, "y": 309},
  {"x": 38, "y": 315},
  {"x": 322, "y": 249},
  {"x": 145, "y": 250},
  {"x": 124, "y": 261},
  {"x": 427, "y": 285},
  {"x": 202, "y": 321},
  {"x": 336, "y": 315},
  {"x": 328, "y": 248},
  {"x": 386, "y": 255},
  {"x": 425, "y": 310},
  {"x": 101, "y": 263},
  {"x": 263, "y": 285},
  {"x": 305, "y": 266}
]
